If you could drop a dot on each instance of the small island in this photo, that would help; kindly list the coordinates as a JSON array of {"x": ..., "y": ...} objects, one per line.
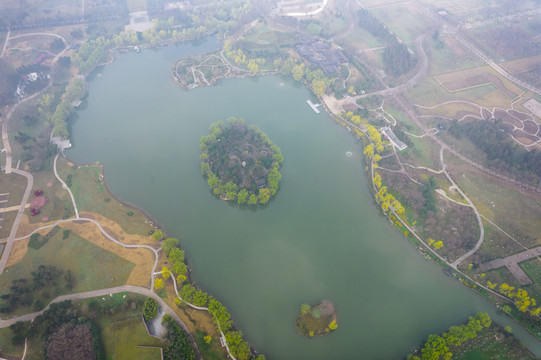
[
  {"x": 319, "y": 319},
  {"x": 240, "y": 163}
]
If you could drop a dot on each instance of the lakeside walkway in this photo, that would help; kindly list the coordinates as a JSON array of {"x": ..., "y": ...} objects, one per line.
[{"x": 512, "y": 264}]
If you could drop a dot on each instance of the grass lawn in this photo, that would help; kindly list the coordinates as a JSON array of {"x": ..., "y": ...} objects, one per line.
[
  {"x": 121, "y": 338},
  {"x": 532, "y": 268},
  {"x": 516, "y": 213},
  {"x": 92, "y": 195},
  {"x": 91, "y": 266},
  {"x": 404, "y": 20},
  {"x": 492, "y": 343}
]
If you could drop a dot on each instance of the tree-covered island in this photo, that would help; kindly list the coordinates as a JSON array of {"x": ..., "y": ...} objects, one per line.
[
  {"x": 240, "y": 163},
  {"x": 319, "y": 319}
]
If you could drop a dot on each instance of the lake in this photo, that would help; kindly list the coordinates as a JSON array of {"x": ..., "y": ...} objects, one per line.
[{"x": 321, "y": 237}]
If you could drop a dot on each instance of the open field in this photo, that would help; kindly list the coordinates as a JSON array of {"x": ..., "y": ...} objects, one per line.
[
  {"x": 516, "y": 213},
  {"x": 464, "y": 79},
  {"x": 124, "y": 338},
  {"x": 532, "y": 268},
  {"x": 404, "y": 20},
  {"x": 516, "y": 67},
  {"x": 458, "y": 6},
  {"x": 492, "y": 343},
  {"x": 447, "y": 54},
  {"x": 360, "y": 40},
  {"x": 496, "y": 245},
  {"x": 92, "y": 267},
  {"x": 142, "y": 258},
  {"x": 92, "y": 195}
]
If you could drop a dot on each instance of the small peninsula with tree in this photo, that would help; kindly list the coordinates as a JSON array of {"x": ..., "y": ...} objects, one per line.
[
  {"x": 319, "y": 319},
  {"x": 240, "y": 163}
]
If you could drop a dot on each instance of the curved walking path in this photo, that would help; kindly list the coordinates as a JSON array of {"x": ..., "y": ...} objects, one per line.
[
  {"x": 65, "y": 187},
  {"x": 8, "y": 168},
  {"x": 422, "y": 71},
  {"x": 104, "y": 292},
  {"x": 106, "y": 234},
  {"x": 458, "y": 261}
]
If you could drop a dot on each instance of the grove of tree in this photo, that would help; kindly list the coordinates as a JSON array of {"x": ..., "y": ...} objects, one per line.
[{"x": 240, "y": 163}]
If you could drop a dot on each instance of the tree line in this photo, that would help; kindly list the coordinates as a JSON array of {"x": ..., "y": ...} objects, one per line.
[
  {"x": 501, "y": 151},
  {"x": 438, "y": 346},
  {"x": 396, "y": 56},
  {"x": 215, "y": 152}
]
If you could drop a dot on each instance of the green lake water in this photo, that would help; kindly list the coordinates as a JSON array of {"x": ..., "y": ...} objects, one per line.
[{"x": 322, "y": 237}]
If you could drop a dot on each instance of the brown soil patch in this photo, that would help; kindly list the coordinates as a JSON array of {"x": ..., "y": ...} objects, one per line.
[
  {"x": 470, "y": 118},
  {"x": 507, "y": 127},
  {"x": 519, "y": 115},
  {"x": 461, "y": 113},
  {"x": 18, "y": 251},
  {"x": 503, "y": 115},
  {"x": 530, "y": 127},
  {"x": 524, "y": 138}
]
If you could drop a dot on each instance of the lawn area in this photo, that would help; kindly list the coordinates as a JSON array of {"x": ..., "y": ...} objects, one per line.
[
  {"x": 121, "y": 338},
  {"x": 492, "y": 343},
  {"x": 361, "y": 39},
  {"x": 91, "y": 194},
  {"x": 532, "y": 268},
  {"x": 496, "y": 245},
  {"x": 404, "y": 20},
  {"x": 516, "y": 213},
  {"x": 92, "y": 267}
]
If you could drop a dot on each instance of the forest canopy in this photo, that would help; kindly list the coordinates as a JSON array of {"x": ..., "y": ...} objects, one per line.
[{"x": 240, "y": 163}]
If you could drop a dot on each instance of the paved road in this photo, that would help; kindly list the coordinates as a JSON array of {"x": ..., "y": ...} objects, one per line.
[
  {"x": 5, "y": 43},
  {"x": 106, "y": 292},
  {"x": 422, "y": 72},
  {"x": 65, "y": 187},
  {"x": 458, "y": 261},
  {"x": 18, "y": 218},
  {"x": 453, "y": 31},
  {"x": 511, "y": 262}
]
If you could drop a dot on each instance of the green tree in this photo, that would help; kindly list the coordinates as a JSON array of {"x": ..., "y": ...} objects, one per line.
[
  {"x": 239, "y": 348},
  {"x": 166, "y": 274},
  {"x": 298, "y": 71},
  {"x": 158, "y": 235},
  {"x": 319, "y": 87},
  {"x": 150, "y": 309},
  {"x": 169, "y": 244},
  {"x": 333, "y": 325},
  {"x": 242, "y": 196},
  {"x": 305, "y": 309},
  {"x": 264, "y": 195},
  {"x": 252, "y": 200},
  {"x": 158, "y": 284}
]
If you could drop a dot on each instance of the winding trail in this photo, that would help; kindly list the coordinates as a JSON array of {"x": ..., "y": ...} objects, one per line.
[
  {"x": 106, "y": 234},
  {"x": 458, "y": 261},
  {"x": 105, "y": 292},
  {"x": 65, "y": 187},
  {"x": 9, "y": 157}
]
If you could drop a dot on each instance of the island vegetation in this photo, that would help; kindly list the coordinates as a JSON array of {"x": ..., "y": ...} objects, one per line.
[
  {"x": 240, "y": 163},
  {"x": 479, "y": 338},
  {"x": 319, "y": 319}
]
